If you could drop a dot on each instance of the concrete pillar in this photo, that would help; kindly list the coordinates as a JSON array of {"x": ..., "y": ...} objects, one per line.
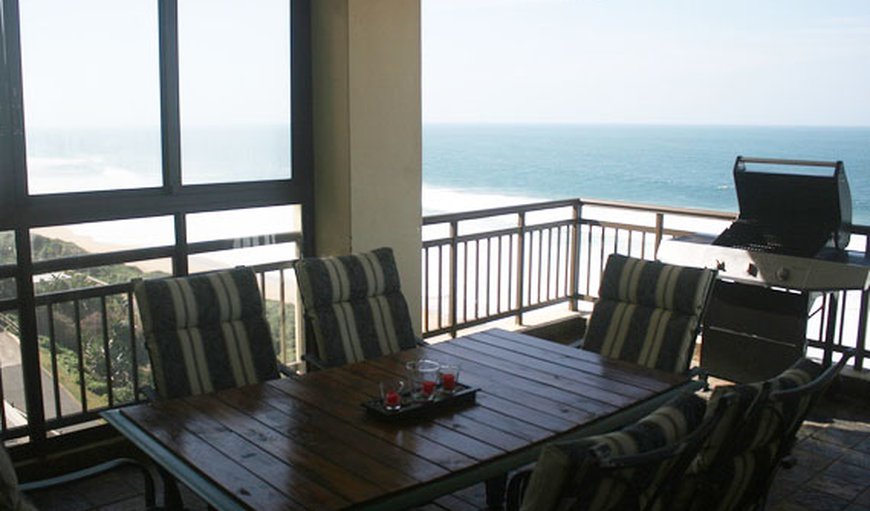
[{"x": 368, "y": 131}]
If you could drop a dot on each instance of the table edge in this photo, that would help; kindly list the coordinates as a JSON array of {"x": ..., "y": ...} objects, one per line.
[{"x": 180, "y": 470}]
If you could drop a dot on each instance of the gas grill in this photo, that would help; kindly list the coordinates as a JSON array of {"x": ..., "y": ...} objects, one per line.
[
  {"x": 787, "y": 244},
  {"x": 797, "y": 214}
]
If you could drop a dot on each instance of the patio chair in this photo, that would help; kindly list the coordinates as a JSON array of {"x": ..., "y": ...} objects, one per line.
[
  {"x": 354, "y": 308},
  {"x": 648, "y": 312},
  {"x": 630, "y": 469},
  {"x": 206, "y": 332},
  {"x": 12, "y": 492},
  {"x": 737, "y": 464}
]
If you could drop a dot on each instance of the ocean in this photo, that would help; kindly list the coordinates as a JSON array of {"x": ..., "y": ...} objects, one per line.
[
  {"x": 479, "y": 166},
  {"x": 687, "y": 166}
]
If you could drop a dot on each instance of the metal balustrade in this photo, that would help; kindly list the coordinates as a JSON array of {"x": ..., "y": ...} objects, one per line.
[
  {"x": 478, "y": 267},
  {"x": 484, "y": 266},
  {"x": 91, "y": 350}
]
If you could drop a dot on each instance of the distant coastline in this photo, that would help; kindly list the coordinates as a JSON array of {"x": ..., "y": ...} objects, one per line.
[
  {"x": 479, "y": 166},
  {"x": 666, "y": 164}
]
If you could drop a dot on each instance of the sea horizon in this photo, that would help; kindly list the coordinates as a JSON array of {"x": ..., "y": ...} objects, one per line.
[
  {"x": 485, "y": 165},
  {"x": 669, "y": 165}
]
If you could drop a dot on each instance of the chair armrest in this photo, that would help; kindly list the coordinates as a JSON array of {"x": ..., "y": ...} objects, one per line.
[
  {"x": 516, "y": 489},
  {"x": 314, "y": 362},
  {"x": 94, "y": 471},
  {"x": 701, "y": 374},
  {"x": 149, "y": 393},
  {"x": 287, "y": 372}
]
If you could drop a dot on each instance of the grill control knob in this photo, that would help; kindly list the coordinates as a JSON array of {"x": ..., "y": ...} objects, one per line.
[
  {"x": 783, "y": 273},
  {"x": 752, "y": 270},
  {"x": 720, "y": 265}
]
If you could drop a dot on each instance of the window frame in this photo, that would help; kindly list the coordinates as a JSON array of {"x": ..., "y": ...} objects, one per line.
[{"x": 20, "y": 211}]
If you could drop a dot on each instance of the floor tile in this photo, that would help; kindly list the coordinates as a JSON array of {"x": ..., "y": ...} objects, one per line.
[{"x": 818, "y": 500}]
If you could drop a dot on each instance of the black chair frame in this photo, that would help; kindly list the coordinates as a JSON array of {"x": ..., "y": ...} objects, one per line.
[
  {"x": 683, "y": 452},
  {"x": 767, "y": 402}
]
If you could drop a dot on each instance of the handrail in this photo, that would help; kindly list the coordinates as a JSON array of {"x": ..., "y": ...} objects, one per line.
[
  {"x": 508, "y": 265},
  {"x": 515, "y": 262},
  {"x": 555, "y": 204}
]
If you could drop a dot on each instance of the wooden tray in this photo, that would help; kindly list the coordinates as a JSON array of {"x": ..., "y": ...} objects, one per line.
[{"x": 463, "y": 395}]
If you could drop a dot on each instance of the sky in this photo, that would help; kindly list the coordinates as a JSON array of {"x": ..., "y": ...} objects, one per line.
[
  {"x": 741, "y": 62},
  {"x": 779, "y": 62},
  {"x": 95, "y": 63}
]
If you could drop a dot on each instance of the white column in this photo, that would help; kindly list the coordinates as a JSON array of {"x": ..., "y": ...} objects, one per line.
[{"x": 368, "y": 131}]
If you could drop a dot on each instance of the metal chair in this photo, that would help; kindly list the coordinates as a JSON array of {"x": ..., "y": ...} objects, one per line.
[
  {"x": 735, "y": 469},
  {"x": 630, "y": 469},
  {"x": 206, "y": 332},
  {"x": 648, "y": 312},
  {"x": 12, "y": 492},
  {"x": 354, "y": 308}
]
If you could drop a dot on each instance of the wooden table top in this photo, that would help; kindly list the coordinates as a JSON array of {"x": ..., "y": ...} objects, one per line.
[{"x": 308, "y": 443}]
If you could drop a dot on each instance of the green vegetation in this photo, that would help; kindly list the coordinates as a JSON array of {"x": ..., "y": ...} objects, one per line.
[{"x": 99, "y": 328}]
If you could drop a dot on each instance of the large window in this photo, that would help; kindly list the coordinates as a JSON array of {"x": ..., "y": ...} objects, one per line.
[
  {"x": 234, "y": 65},
  {"x": 91, "y": 94},
  {"x": 139, "y": 139}
]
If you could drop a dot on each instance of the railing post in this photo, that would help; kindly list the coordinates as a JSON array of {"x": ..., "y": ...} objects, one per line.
[
  {"x": 574, "y": 271},
  {"x": 31, "y": 371},
  {"x": 660, "y": 227},
  {"x": 521, "y": 244},
  {"x": 454, "y": 262},
  {"x": 861, "y": 337}
]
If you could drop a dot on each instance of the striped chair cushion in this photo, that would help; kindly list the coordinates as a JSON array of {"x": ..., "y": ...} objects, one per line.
[
  {"x": 206, "y": 332},
  {"x": 11, "y": 498},
  {"x": 648, "y": 312},
  {"x": 354, "y": 305},
  {"x": 567, "y": 475},
  {"x": 739, "y": 458}
]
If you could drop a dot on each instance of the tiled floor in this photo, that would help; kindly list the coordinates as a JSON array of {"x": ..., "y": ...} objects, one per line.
[
  {"x": 832, "y": 473},
  {"x": 833, "y": 453}
]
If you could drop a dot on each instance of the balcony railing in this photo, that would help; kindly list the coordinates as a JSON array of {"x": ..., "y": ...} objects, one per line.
[
  {"x": 478, "y": 267},
  {"x": 92, "y": 354},
  {"x": 496, "y": 264}
]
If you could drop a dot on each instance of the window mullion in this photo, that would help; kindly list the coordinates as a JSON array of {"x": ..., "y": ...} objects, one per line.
[
  {"x": 13, "y": 169},
  {"x": 171, "y": 124},
  {"x": 169, "y": 98}
]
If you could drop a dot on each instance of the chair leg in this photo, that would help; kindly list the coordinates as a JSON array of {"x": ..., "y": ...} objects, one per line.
[
  {"x": 171, "y": 496},
  {"x": 150, "y": 493},
  {"x": 495, "y": 488}
]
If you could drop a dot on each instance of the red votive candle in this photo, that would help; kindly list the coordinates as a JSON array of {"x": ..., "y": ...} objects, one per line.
[
  {"x": 448, "y": 380},
  {"x": 428, "y": 387},
  {"x": 392, "y": 398}
]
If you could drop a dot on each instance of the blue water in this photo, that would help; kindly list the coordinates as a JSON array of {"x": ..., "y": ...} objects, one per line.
[{"x": 688, "y": 166}]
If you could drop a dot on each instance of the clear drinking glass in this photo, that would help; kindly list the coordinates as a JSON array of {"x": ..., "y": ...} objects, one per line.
[
  {"x": 423, "y": 375},
  {"x": 391, "y": 394},
  {"x": 448, "y": 377}
]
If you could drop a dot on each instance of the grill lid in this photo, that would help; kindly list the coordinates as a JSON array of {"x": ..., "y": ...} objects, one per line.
[{"x": 814, "y": 200}]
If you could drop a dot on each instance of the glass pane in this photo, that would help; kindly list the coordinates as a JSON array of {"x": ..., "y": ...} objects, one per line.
[
  {"x": 242, "y": 223},
  {"x": 234, "y": 72},
  {"x": 96, "y": 276},
  {"x": 91, "y": 99},
  {"x": 101, "y": 237},
  {"x": 11, "y": 391},
  {"x": 7, "y": 247},
  {"x": 8, "y": 291},
  {"x": 251, "y": 256}
]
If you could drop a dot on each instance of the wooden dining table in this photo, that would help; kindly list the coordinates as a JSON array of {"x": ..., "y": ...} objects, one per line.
[{"x": 308, "y": 443}]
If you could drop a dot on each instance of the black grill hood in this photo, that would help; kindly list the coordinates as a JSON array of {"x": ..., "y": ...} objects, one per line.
[{"x": 818, "y": 203}]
